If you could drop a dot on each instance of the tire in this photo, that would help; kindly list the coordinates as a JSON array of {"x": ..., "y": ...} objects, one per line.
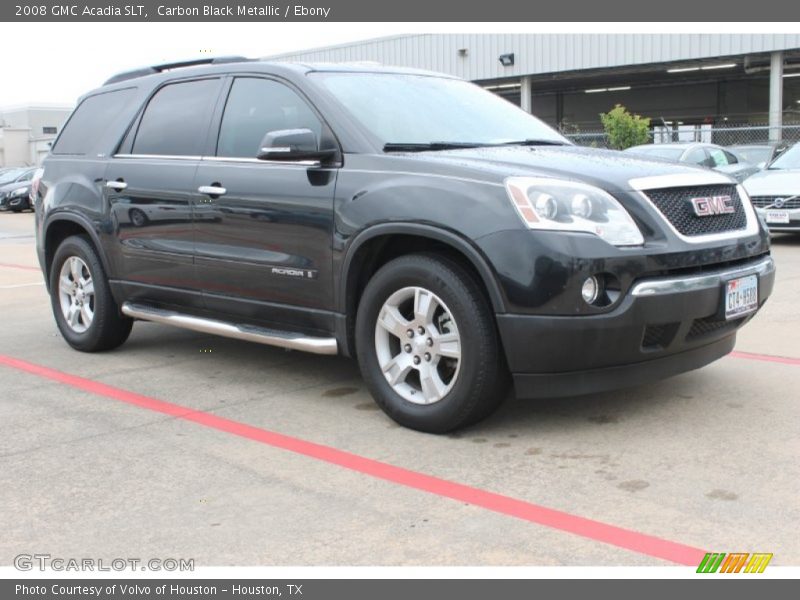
[
  {"x": 137, "y": 217},
  {"x": 98, "y": 325},
  {"x": 460, "y": 391}
]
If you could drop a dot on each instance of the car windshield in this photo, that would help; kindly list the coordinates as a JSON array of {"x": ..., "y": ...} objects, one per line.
[
  {"x": 434, "y": 112},
  {"x": 10, "y": 176},
  {"x": 753, "y": 154},
  {"x": 788, "y": 160},
  {"x": 668, "y": 152}
]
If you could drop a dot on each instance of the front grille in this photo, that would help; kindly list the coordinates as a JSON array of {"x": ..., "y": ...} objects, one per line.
[
  {"x": 710, "y": 325},
  {"x": 659, "y": 336},
  {"x": 676, "y": 205},
  {"x": 769, "y": 201}
]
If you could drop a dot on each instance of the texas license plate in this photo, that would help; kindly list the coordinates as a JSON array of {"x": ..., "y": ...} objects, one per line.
[
  {"x": 741, "y": 296},
  {"x": 777, "y": 216}
]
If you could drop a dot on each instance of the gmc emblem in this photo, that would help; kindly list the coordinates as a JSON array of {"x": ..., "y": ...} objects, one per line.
[{"x": 712, "y": 205}]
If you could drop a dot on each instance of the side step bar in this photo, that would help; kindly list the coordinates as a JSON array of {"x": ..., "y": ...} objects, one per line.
[{"x": 250, "y": 333}]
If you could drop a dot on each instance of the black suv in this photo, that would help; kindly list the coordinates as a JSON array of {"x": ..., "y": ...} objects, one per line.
[{"x": 445, "y": 238}]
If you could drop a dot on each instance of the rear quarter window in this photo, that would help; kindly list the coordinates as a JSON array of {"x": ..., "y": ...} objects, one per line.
[{"x": 90, "y": 120}]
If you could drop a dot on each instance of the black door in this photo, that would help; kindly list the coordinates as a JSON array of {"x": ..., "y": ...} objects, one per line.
[
  {"x": 264, "y": 229},
  {"x": 150, "y": 189}
]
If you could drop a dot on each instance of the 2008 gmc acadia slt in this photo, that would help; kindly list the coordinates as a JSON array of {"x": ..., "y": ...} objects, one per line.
[{"x": 450, "y": 241}]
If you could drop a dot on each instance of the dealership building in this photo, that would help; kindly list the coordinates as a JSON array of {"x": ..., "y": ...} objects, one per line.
[
  {"x": 683, "y": 82},
  {"x": 27, "y": 131}
]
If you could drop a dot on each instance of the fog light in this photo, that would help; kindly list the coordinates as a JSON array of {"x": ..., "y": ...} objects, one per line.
[{"x": 590, "y": 290}]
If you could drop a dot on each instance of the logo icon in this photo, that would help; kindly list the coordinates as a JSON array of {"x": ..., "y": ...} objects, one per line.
[
  {"x": 708, "y": 206},
  {"x": 735, "y": 562},
  {"x": 778, "y": 203}
]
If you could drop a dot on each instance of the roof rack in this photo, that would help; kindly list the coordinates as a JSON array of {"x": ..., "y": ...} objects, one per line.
[{"x": 141, "y": 72}]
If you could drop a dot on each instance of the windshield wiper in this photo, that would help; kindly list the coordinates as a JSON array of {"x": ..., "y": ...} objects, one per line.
[
  {"x": 532, "y": 142},
  {"x": 423, "y": 147}
]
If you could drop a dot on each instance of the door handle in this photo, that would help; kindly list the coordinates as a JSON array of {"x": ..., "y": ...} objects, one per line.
[
  {"x": 212, "y": 190},
  {"x": 117, "y": 185}
]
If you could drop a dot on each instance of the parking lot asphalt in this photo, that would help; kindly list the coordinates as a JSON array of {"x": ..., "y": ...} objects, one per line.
[{"x": 707, "y": 460}]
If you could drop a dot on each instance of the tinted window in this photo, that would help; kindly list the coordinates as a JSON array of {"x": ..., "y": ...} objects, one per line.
[
  {"x": 731, "y": 158},
  {"x": 256, "y": 107},
  {"x": 176, "y": 119},
  {"x": 90, "y": 120}
]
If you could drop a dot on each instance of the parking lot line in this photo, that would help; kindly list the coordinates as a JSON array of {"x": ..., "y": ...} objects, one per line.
[
  {"x": 785, "y": 360},
  {"x": 15, "y": 266},
  {"x": 498, "y": 503},
  {"x": 14, "y": 286}
]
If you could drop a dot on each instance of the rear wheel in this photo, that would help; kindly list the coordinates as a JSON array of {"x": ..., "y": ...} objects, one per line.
[
  {"x": 427, "y": 345},
  {"x": 84, "y": 309}
]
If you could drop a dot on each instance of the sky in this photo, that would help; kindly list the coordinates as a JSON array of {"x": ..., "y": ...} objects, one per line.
[{"x": 56, "y": 63}]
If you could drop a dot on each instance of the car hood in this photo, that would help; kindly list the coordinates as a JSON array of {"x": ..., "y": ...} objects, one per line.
[
  {"x": 608, "y": 169},
  {"x": 10, "y": 187},
  {"x": 774, "y": 183}
]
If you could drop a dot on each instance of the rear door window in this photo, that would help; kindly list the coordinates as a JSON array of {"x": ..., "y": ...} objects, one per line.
[
  {"x": 696, "y": 156},
  {"x": 90, "y": 120},
  {"x": 175, "y": 122},
  {"x": 719, "y": 157},
  {"x": 256, "y": 107}
]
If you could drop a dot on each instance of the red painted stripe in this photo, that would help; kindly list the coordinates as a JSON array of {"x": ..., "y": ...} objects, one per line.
[
  {"x": 527, "y": 511},
  {"x": 25, "y": 267},
  {"x": 785, "y": 360}
]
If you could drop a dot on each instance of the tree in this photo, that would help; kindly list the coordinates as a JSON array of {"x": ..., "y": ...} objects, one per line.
[{"x": 624, "y": 129}]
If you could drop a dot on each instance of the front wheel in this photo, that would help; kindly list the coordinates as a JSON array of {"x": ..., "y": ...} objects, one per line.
[
  {"x": 427, "y": 345},
  {"x": 84, "y": 309}
]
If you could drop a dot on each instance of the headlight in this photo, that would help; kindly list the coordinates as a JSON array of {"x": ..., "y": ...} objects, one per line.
[
  {"x": 561, "y": 205},
  {"x": 23, "y": 191}
]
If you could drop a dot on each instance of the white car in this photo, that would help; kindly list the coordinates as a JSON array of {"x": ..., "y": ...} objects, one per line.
[{"x": 775, "y": 191}]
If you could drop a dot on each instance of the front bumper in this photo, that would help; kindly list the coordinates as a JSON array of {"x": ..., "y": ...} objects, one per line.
[
  {"x": 664, "y": 326},
  {"x": 13, "y": 202},
  {"x": 792, "y": 225}
]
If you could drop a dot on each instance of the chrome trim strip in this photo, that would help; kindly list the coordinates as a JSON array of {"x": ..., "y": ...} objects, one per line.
[
  {"x": 285, "y": 163},
  {"x": 158, "y": 156},
  {"x": 657, "y": 182},
  {"x": 692, "y": 283},
  {"x": 293, "y": 163},
  {"x": 250, "y": 333}
]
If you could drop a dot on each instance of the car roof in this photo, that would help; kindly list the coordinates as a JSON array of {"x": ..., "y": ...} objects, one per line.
[{"x": 234, "y": 64}]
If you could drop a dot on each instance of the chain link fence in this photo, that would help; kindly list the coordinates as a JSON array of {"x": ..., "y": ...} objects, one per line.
[{"x": 721, "y": 135}]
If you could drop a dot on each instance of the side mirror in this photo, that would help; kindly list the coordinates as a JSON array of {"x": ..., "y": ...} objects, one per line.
[{"x": 292, "y": 145}]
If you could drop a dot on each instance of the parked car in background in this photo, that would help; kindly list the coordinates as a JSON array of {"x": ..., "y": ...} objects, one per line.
[
  {"x": 775, "y": 191},
  {"x": 706, "y": 155},
  {"x": 15, "y": 189},
  {"x": 759, "y": 155}
]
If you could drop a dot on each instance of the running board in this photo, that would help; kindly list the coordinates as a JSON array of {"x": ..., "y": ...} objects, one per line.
[{"x": 250, "y": 333}]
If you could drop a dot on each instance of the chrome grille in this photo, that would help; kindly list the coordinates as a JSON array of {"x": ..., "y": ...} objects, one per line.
[
  {"x": 676, "y": 205},
  {"x": 769, "y": 201}
]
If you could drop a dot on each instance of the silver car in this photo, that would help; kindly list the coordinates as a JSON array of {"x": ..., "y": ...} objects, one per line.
[
  {"x": 705, "y": 155},
  {"x": 775, "y": 191}
]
